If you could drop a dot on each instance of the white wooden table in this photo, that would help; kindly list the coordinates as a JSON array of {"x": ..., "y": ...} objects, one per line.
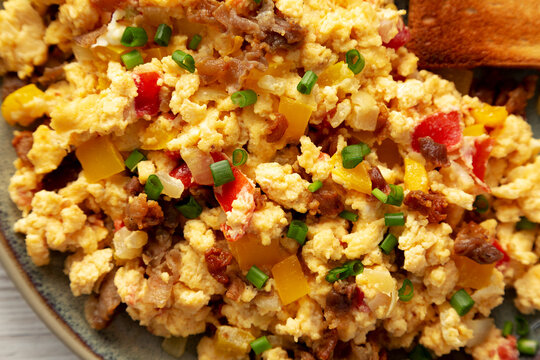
[{"x": 22, "y": 334}]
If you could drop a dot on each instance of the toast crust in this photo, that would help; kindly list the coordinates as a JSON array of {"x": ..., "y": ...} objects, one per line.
[{"x": 470, "y": 33}]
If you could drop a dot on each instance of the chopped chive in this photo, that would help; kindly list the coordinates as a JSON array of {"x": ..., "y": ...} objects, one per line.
[
  {"x": 353, "y": 155},
  {"x": 153, "y": 187},
  {"x": 508, "y": 328},
  {"x": 244, "y": 98},
  {"x": 298, "y": 231},
  {"x": 388, "y": 244},
  {"x": 133, "y": 159},
  {"x": 462, "y": 302},
  {"x": 481, "y": 204},
  {"x": 382, "y": 197},
  {"x": 396, "y": 195},
  {"x": 132, "y": 59},
  {"x": 306, "y": 84},
  {"x": 239, "y": 157},
  {"x": 222, "y": 172},
  {"x": 527, "y": 346},
  {"x": 260, "y": 345},
  {"x": 406, "y": 292},
  {"x": 314, "y": 186},
  {"x": 348, "y": 215},
  {"x": 351, "y": 268},
  {"x": 184, "y": 60},
  {"x": 257, "y": 277},
  {"x": 420, "y": 353},
  {"x": 355, "y": 61},
  {"x": 355, "y": 267},
  {"x": 191, "y": 210},
  {"x": 194, "y": 42},
  {"x": 525, "y": 224},
  {"x": 163, "y": 35},
  {"x": 394, "y": 219},
  {"x": 134, "y": 36},
  {"x": 522, "y": 325}
]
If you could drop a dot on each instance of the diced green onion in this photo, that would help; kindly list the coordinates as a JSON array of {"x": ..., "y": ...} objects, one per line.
[
  {"x": 348, "y": 215},
  {"x": 353, "y": 155},
  {"x": 222, "y": 172},
  {"x": 298, "y": 231},
  {"x": 257, "y": 1},
  {"x": 244, "y": 98},
  {"x": 134, "y": 36},
  {"x": 508, "y": 328},
  {"x": 355, "y": 267},
  {"x": 308, "y": 81},
  {"x": 184, "y": 60},
  {"x": 257, "y": 277},
  {"x": 522, "y": 325},
  {"x": 462, "y": 302},
  {"x": 194, "y": 42},
  {"x": 527, "y": 346},
  {"x": 163, "y": 35},
  {"x": 336, "y": 274},
  {"x": 394, "y": 219},
  {"x": 260, "y": 345},
  {"x": 382, "y": 197},
  {"x": 191, "y": 210},
  {"x": 133, "y": 159},
  {"x": 525, "y": 224},
  {"x": 481, "y": 204},
  {"x": 132, "y": 59},
  {"x": 355, "y": 61},
  {"x": 406, "y": 292},
  {"x": 314, "y": 186},
  {"x": 388, "y": 244},
  {"x": 239, "y": 157},
  {"x": 153, "y": 187},
  {"x": 420, "y": 353},
  {"x": 396, "y": 195}
]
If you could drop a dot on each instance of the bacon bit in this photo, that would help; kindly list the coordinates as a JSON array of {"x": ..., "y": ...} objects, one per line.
[
  {"x": 472, "y": 241},
  {"x": 508, "y": 350},
  {"x": 217, "y": 261},
  {"x": 402, "y": 37},
  {"x": 147, "y": 100},
  {"x": 344, "y": 244},
  {"x": 118, "y": 224},
  {"x": 434, "y": 152},
  {"x": 377, "y": 180},
  {"x": 433, "y": 206},
  {"x": 183, "y": 173},
  {"x": 506, "y": 258},
  {"x": 277, "y": 129},
  {"x": 442, "y": 128},
  {"x": 482, "y": 149}
]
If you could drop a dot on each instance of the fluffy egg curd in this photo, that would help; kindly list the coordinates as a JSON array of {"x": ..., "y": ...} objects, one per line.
[{"x": 276, "y": 175}]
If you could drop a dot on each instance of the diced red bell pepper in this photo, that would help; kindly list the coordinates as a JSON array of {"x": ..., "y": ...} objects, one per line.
[
  {"x": 118, "y": 224},
  {"x": 482, "y": 149},
  {"x": 505, "y": 258},
  {"x": 359, "y": 302},
  {"x": 147, "y": 99},
  {"x": 240, "y": 188},
  {"x": 443, "y": 128},
  {"x": 508, "y": 349},
  {"x": 183, "y": 173},
  {"x": 402, "y": 37}
]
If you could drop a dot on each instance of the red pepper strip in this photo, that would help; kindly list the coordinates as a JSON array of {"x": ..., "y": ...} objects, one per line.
[
  {"x": 147, "y": 100},
  {"x": 482, "y": 149},
  {"x": 505, "y": 258},
  {"x": 183, "y": 173},
  {"x": 443, "y": 128},
  {"x": 225, "y": 194},
  {"x": 402, "y": 37}
]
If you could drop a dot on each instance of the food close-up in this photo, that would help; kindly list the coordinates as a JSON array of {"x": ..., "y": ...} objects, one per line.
[{"x": 279, "y": 178}]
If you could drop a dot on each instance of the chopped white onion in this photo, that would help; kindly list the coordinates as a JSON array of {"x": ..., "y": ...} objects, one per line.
[
  {"x": 199, "y": 165},
  {"x": 172, "y": 187},
  {"x": 480, "y": 330},
  {"x": 128, "y": 244},
  {"x": 82, "y": 53},
  {"x": 174, "y": 346}
]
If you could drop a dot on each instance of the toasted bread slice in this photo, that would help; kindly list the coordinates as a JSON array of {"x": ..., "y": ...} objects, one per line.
[{"x": 469, "y": 33}]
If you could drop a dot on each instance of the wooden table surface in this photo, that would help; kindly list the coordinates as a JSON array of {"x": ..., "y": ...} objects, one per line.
[{"x": 22, "y": 334}]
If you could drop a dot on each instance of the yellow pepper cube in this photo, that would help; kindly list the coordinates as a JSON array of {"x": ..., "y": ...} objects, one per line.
[
  {"x": 109, "y": 53},
  {"x": 99, "y": 159},
  {"x": 24, "y": 105},
  {"x": 472, "y": 274},
  {"x": 233, "y": 340},
  {"x": 291, "y": 283},
  {"x": 249, "y": 251},
  {"x": 491, "y": 116},
  {"x": 334, "y": 74},
  {"x": 297, "y": 115},
  {"x": 416, "y": 177},
  {"x": 474, "y": 130},
  {"x": 354, "y": 179}
]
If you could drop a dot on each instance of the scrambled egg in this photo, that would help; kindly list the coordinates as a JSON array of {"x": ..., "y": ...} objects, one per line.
[{"x": 287, "y": 239}]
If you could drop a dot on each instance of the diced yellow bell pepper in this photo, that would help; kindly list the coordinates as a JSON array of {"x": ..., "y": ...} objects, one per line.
[
  {"x": 416, "y": 177},
  {"x": 233, "y": 340},
  {"x": 99, "y": 159},
  {"x": 249, "y": 251},
  {"x": 334, "y": 74},
  {"x": 157, "y": 52},
  {"x": 109, "y": 53},
  {"x": 474, "y": 130},
  {"x": 472, "y": 274},
  {"x": 24, "y": 105},
  {"x": 291, "y": 283},
  {"x": 354, "y": 179},
  {"x": 491, "y": 116},
  {"x": 297, "y": 115},
  {"x": 158, "y": 134}
]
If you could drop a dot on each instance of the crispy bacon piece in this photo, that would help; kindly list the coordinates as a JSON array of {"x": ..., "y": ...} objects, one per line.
[
  {"x": 442, "y": 128},
  {"x": 433, "y": 206},
  {"x": 377, "y": 180},
  {"x": 277, "y": 129},
  {"x": 217, "y": 261},
  {"x": 329, "y": 201},
  {"x": 433, "y": 152},
  {"x": 141, "y": 214},
  {"x": 473, "y": 242}
]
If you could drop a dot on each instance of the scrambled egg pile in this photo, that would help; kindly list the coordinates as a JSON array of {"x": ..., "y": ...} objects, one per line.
[{"x": 377, "y": 208}]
